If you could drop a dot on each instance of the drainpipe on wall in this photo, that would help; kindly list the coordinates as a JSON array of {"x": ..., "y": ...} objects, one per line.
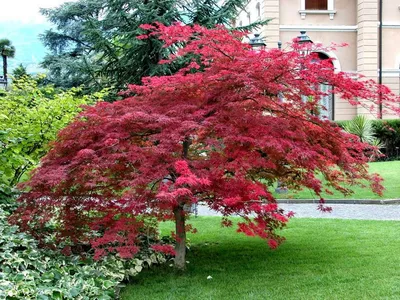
[{"x": 380, "y": 56}]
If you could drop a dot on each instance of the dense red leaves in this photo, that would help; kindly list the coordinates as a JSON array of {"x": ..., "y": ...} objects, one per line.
[
  {"x": 166, "y": 249},
  {"x": 221, "y": 137}
]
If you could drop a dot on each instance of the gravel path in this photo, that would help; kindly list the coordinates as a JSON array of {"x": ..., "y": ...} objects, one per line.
[{"x": 339, "y": 211}]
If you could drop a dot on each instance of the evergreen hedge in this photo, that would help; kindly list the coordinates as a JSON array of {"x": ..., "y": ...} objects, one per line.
[{"x": 388, "y": 132}]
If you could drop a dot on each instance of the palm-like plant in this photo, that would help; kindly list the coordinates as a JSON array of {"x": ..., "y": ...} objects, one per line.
[
  {"x": 6, "y": 50},
  {"x": 362, "y": 127}
]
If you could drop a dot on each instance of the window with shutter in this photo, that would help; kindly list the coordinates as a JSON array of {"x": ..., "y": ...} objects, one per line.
[{"x": 316, "y": 4}]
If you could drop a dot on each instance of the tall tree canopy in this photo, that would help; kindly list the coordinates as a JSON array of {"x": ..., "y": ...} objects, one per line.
[
  {"x": 220, "y": 137},
  {"x": 95, "y": 43},
  {"x": 7, "y": 50}
]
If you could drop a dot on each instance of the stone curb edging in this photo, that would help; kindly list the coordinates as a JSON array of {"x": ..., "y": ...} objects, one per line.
[{"x": 339, "y": 201}]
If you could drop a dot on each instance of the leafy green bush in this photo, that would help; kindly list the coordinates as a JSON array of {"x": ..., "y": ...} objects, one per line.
[
  {"x": 30, "y": 117},
  {"x": 28, "y": 272},
  {"x": 382, "y": 133},
  {"x": 388, "y": 131}
]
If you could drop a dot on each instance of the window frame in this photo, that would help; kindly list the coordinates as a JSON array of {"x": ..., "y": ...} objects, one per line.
[
  {"x": 319, "y": 2},
  {"x": 327, "y": 101},
  {"x": 330, "y": 11}
]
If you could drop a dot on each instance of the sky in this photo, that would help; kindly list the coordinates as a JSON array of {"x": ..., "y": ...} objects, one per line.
[
  {"x": 26, "y": 11},
  {"x": 22, "y": 23}
]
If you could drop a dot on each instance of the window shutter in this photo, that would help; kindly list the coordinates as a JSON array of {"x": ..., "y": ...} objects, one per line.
[{"x": 317, "y": 4}]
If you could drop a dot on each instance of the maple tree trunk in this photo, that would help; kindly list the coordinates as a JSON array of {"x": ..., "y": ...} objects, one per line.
[{"x": 180, "y": 247}]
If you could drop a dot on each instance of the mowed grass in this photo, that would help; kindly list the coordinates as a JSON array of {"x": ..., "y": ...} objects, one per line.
[
  {"x": 389, "y": 171},
  {"x": 321, "y": 259}
]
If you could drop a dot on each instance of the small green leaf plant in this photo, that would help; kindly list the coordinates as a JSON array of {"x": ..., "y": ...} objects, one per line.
[{"x": 29, "y": 272}]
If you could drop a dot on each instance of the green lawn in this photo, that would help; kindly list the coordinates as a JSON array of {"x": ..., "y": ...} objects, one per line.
[
  {"x": 321, "y": 259},
  {"x": 390, "y": 171}
]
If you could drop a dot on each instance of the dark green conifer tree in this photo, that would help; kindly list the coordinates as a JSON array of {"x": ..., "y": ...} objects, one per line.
[{"x": 94, "y": 41}]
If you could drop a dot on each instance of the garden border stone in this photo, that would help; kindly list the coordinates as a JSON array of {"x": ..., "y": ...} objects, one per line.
[{"x": 340, "y": 201}]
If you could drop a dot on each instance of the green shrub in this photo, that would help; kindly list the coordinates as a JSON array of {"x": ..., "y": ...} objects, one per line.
[
  {"x": 388, "y": 131},
  {"x": 385, "y": 131},
  {"x": 362, "y": 127},
  {"x": 30, "y": 117},
  {"x": 28, "y": 272}
]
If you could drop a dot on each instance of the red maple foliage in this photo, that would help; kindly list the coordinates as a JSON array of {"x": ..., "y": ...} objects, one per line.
[{"x": 220, "y": 137}]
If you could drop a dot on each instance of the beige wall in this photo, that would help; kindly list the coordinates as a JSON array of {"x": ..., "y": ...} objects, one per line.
[
  {"x": 326, "y": 31},
  {"x": 391, "y": 12},
  {"x": 344, "y": 110},
  {"x": 346, "y": 14},
  {"x": 355, "y": 22},
  {"x": 270, "y": 10},
  {"x": 391, "y": 48},
  {"x": 367, "y": 45},
  {"x": 346, "y": 55},
  {"x": 392, "y": 81}
]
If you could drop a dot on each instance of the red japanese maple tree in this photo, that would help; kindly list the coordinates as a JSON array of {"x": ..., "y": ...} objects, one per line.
[{"x": 220, "y": 136}]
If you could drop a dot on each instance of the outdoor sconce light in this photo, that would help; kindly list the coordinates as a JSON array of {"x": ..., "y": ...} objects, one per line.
[
  {"x": 257, "y": 42},
  {"x": 304, "y": 39}
]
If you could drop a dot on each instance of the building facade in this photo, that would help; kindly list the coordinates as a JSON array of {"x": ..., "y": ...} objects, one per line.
[{"x": 370, "y": 28}]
